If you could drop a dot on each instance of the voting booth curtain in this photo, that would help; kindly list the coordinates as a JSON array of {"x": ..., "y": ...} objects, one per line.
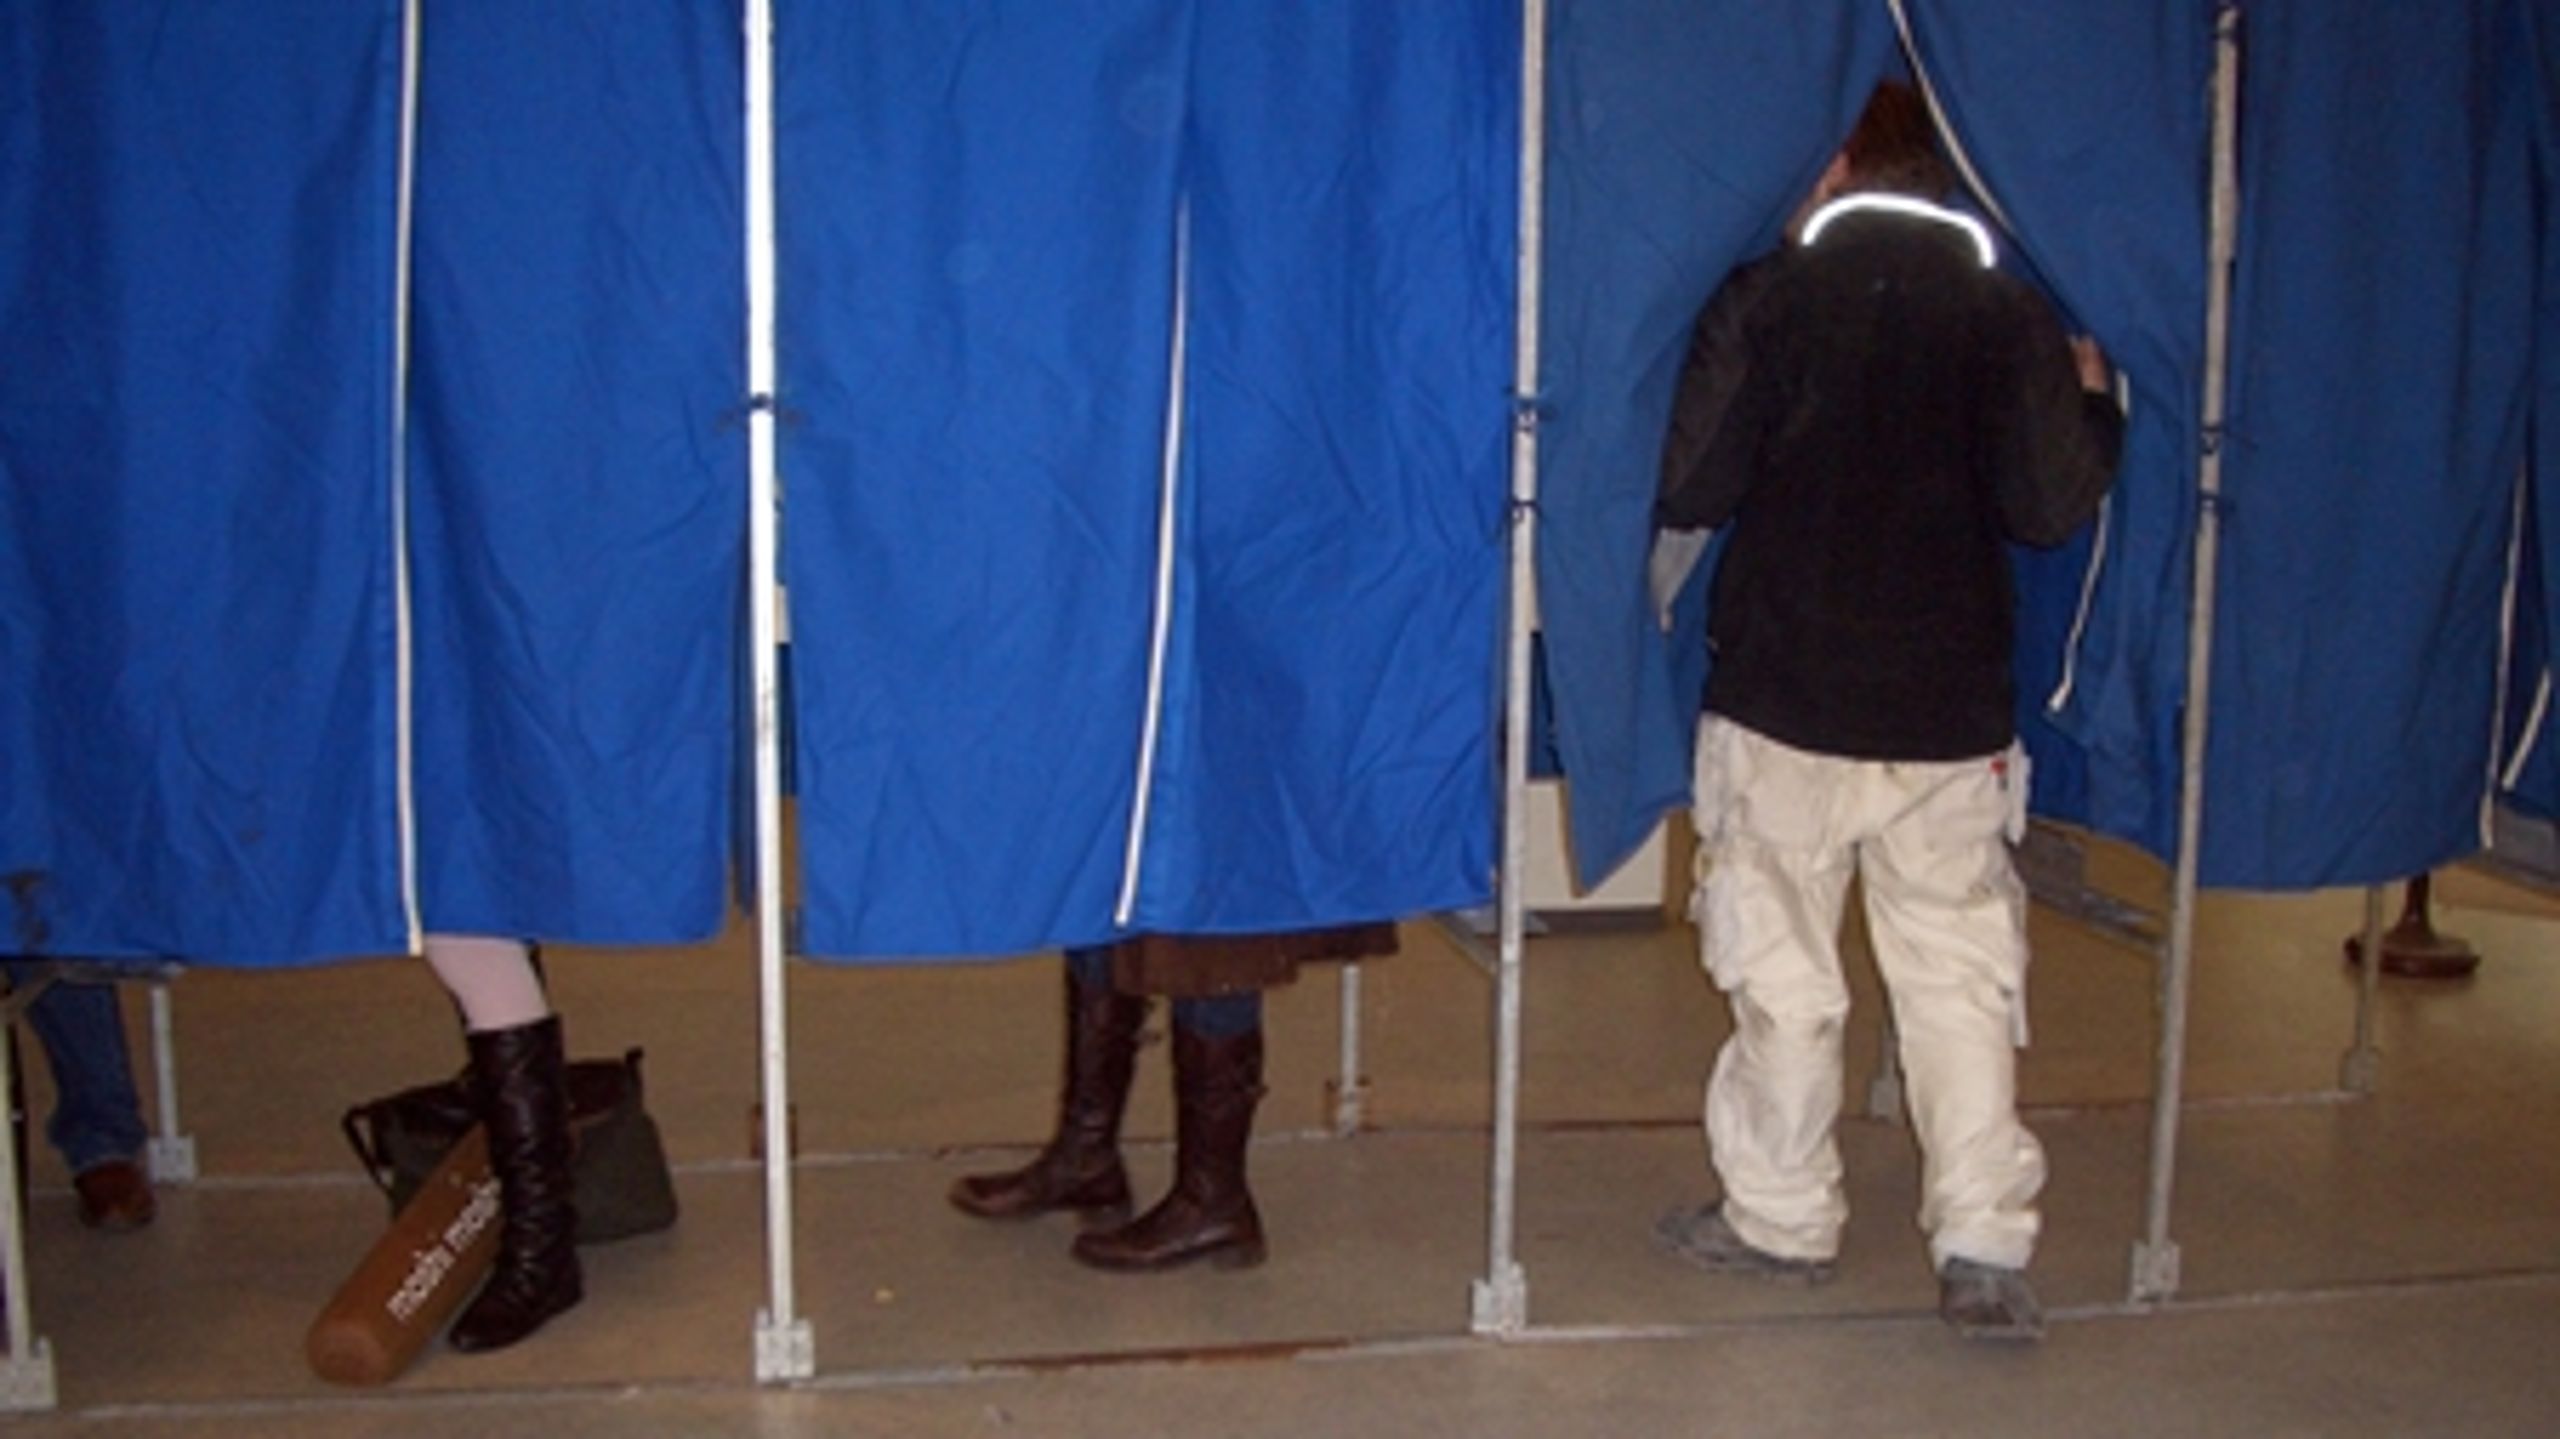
[{"x": 372, "y": 445}]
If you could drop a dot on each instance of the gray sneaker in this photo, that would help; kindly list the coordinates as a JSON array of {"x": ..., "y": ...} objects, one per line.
[
  {"x": 1988, "y": 1303},
  {"x": 1702, "y": 1236}
]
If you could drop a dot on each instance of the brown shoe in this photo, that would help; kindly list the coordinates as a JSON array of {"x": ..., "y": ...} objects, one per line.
[{"x": 115, "y": 1196}]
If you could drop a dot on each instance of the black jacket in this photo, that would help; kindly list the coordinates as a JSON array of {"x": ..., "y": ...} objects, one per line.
[{"x": 1875, "y": 415}]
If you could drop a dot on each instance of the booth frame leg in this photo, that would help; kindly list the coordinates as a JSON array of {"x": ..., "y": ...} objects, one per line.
[
  {"x": 26, "y": 1372},
  {"x": 1501, "y": 1303},
  {"x": 2154, "y": 1278},
  {"x": 1347, "y": 1093},
  {"x": 1884, "y": 1092},
  {"x": 172, "y": 1153},
  {"x": 784, "y": 1352},
  {"x": 1500, "y": 1300},
  {"x": 26, "y": 1381}
]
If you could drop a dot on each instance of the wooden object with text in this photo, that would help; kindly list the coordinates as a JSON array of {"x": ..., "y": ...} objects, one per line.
[{"x": 436, "y": 1252}]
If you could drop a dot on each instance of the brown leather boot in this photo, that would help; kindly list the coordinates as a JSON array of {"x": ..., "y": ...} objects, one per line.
[
  {"x": 1209, "y": 1213},
  {"x": 1080, "y": 1167},
  {"x": 517, "y": 1083}
]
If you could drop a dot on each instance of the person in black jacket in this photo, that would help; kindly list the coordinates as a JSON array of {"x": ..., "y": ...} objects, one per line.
[{"x": 1874, "y": 413}]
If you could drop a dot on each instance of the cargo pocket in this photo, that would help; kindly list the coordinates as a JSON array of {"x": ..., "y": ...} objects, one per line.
[
  {"x": 1709, "y": 813},
  {"x": 1973, "y": 822}
]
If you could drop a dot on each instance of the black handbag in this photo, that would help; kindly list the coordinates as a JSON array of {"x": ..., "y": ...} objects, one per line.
[{"x": 619, "y": 1173}]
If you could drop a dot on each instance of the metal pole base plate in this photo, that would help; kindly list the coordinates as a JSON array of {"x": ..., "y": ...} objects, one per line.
[
  {"x": 1502, "y": 1302},
  {"x": 2155, "y": 1272},
  {"x": 26, "y": 1380},
  {"x": 784, "y": 1351}
]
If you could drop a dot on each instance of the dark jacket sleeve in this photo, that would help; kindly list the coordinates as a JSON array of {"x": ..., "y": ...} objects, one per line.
[
  {"x": 1693, "y": 491},
  {"x": 2054, "y": 446}
]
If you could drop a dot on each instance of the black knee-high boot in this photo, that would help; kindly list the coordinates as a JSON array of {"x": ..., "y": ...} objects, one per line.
[
  {"x": 1080, "y": 1167},
  {"x": 1209, "y": 1213},
  {"x": 517, "y": 1081}
]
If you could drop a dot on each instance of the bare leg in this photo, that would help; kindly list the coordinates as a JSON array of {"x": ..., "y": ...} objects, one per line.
[{"x": 491, "y": 979}]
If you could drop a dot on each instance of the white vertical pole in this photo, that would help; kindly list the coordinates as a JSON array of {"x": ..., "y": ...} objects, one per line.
[
  {"x": 2155, "y": 1256},
  {"x": 784, "y": 1347},
  {"x": 1350, "y": 1091},
  {"x": 26, "y": 1370},
  {"x": 173, "y": 1152},
  {"x": 1501, "y": 1298},
  {"x": 1884, "y": 1091}
]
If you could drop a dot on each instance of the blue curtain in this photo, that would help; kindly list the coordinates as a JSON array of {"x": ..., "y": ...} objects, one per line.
[
  {"x": 2089, "y": 126},
  {"x": 992, "y": 216},
  {"x": 2381, "y": 344},
  {"x": 1680, "y": 134},
  {"x": 196, "y": 239},
  {"x": 1325, "y": 752},
  {"x": 977, "y": 207},
  {"x": 981, "y": 209},
  {"x": 578, "y": 466}
]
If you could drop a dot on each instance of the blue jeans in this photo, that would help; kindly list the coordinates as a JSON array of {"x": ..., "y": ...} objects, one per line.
[
  {"x": 97, "y": 1117},
  {"x": 1222, "y": 1017}
]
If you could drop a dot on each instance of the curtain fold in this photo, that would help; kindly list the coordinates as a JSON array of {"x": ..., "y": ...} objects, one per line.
[{"x": 2379, "y": 397}]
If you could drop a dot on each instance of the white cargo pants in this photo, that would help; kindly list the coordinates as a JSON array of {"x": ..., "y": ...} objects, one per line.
[{"x": 1781, "y": 831}]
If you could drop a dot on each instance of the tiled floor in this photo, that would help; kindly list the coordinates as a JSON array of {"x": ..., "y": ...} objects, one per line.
[{"x": 2385, "y": 1264}]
